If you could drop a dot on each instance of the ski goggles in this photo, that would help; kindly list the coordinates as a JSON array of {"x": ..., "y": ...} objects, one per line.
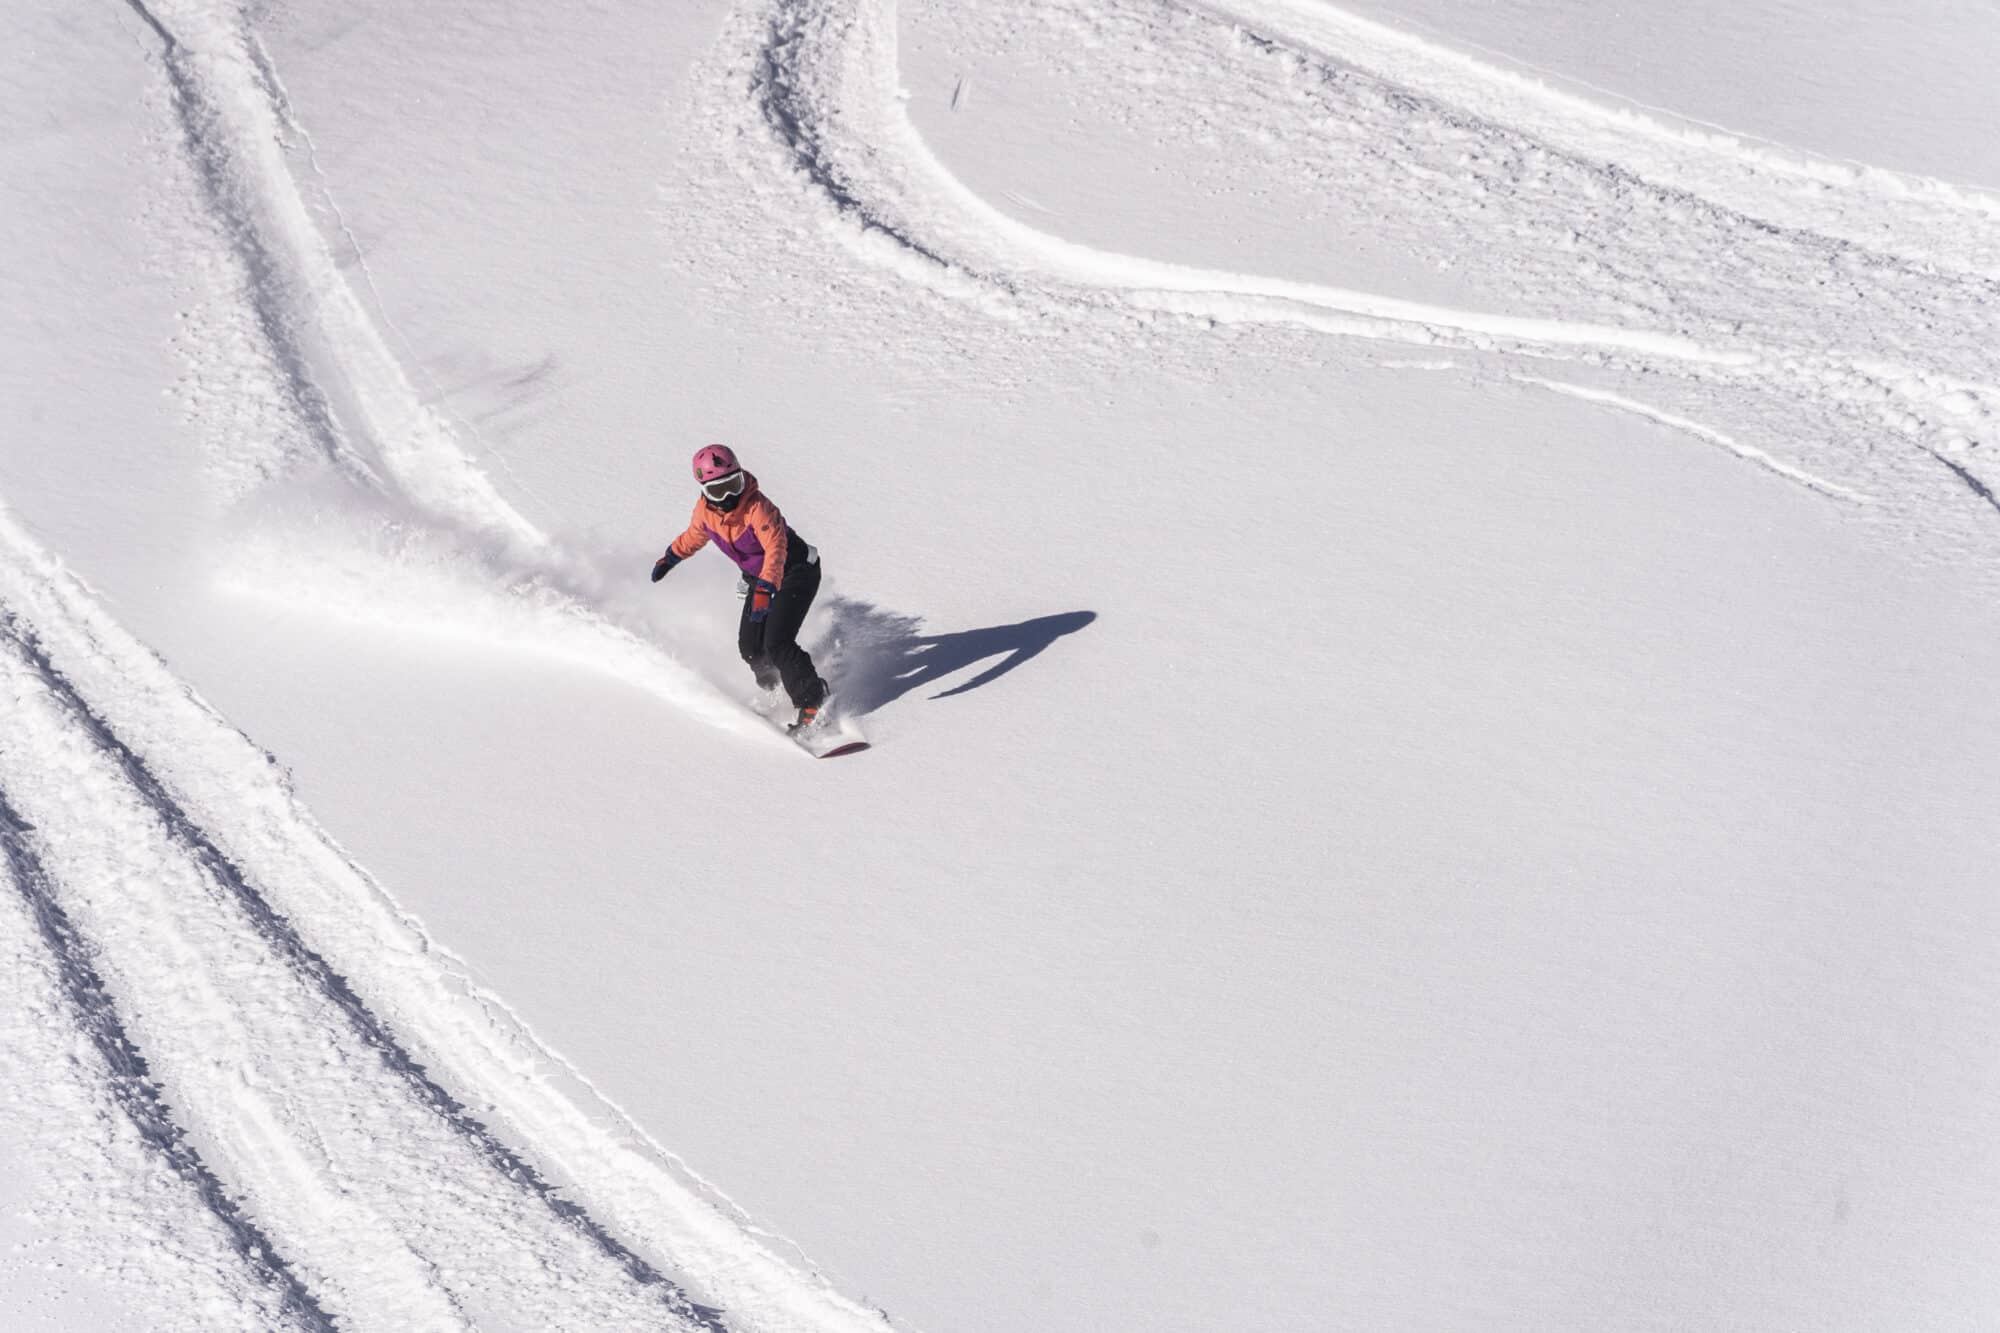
[{"x": 723, "y": 487}]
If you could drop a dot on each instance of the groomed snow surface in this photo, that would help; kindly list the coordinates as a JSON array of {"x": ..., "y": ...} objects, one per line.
[{"x": 1422, "y": 581}]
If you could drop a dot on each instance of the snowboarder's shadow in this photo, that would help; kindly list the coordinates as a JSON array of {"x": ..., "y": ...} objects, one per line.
[{"x": 875, "y": 657}]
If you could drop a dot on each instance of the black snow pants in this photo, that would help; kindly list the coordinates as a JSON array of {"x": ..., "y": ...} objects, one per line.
[{"x": 772, "y": 648}]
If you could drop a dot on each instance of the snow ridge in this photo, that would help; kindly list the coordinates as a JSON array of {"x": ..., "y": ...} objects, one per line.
[
  {"x": 343, "y": 379},
  {"x": 1785, "y": 296},
  {"x": 1700, "y": 432},
  {"x": 1953, "y": 224},
  {"x": 283, "y": 939},
  {"x": 132, "y": 1089},
  {"x": 246, "y": 942},
  {"x": 416, "y": 1155},
  {"x": 237, "y": 1012},
  {"x": 419, "y": 493}
]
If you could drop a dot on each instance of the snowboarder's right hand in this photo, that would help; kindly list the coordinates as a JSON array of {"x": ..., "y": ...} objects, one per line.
[
  {"x": 663, "y": 564},
  {"x": 761, "y": 594}
]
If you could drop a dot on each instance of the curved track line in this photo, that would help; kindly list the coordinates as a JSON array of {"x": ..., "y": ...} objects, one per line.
[
  {"x": 234, "y": 121},
  {"x": 215, "y": 1059},
  {"x": 131, "y": 1085},
  {"x": 792, "y": 97},
  {"x": 343, "y": 385},
  {"x": 827, "y": 78},
  {"x": 283, "y": 939},
  {"x": 1958, "y": 225},
  {"x": 358, "y": 1160},
  {"x": 341, "y": 376},
  {"x": 224, "y": 816},
  {"x": 1689, "y": 426}
]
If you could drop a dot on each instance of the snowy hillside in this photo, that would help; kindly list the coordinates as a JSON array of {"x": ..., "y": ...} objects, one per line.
[{"x": 1422, "y": 579}]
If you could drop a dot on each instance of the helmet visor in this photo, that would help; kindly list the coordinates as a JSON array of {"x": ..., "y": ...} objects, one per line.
[{"x": 723, "y": 487}]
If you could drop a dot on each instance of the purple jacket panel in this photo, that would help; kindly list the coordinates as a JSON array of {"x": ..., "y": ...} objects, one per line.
[{"x": 747, "y": 551}]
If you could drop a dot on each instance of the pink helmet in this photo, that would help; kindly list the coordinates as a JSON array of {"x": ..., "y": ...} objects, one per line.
[{"x": 713, "y": 461}]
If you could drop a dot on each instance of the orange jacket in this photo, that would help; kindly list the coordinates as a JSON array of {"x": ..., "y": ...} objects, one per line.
[{"x": 753, "y": 534}]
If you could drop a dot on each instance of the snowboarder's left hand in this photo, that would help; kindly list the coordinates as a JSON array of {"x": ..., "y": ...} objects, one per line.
[{"x": 761, "y": 593}]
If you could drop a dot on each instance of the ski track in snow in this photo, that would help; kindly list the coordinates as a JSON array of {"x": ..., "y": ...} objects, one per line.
[
  {"x": 186, "y": 874},
  {"x": 415, "y": 496},
  {"x": 126, "y": 1080},
  {"x": 387, "y": 1190},
  {"x": 1850, "y": 296},
  {"x": 377, "y": 1141},
  {"x": 1695, "y": 428}
]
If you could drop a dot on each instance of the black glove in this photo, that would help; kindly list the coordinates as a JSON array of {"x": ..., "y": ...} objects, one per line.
[{"x": 663, "y": 564}]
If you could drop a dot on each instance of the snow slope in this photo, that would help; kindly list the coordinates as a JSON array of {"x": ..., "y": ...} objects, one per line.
[
  {"x": 1428, "y": 634},
  {"x": 1879, "y": 83}
]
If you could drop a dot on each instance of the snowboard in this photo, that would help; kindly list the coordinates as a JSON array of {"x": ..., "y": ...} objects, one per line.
[{"x": 829, "y": 738}]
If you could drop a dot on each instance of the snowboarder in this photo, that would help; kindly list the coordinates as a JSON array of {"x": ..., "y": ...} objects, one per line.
[{"x": 780, "y": 575}]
